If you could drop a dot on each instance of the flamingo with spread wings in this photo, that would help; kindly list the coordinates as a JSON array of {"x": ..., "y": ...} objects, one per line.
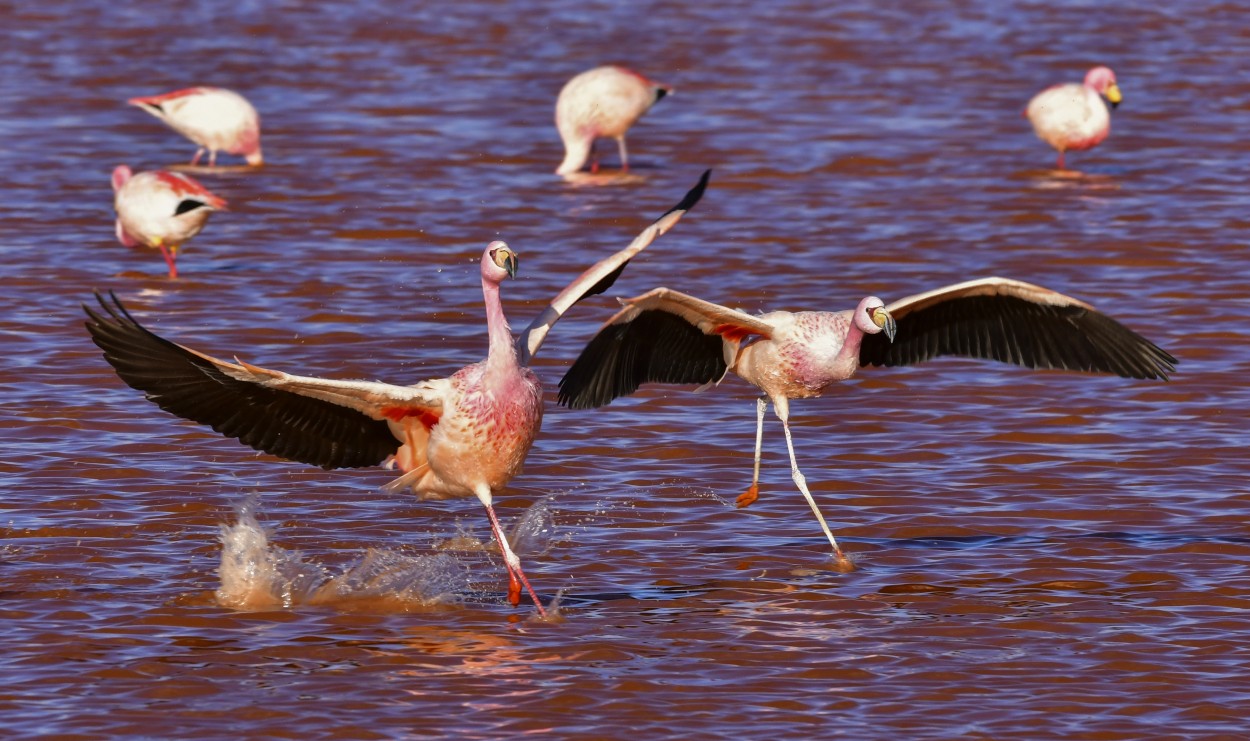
[
  {"x": 465, "y": 435},
  {"x": 668, "y": 337}
]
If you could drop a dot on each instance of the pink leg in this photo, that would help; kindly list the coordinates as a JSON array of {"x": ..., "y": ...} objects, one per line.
[
  {"x": 1059, "y": 165},
  {"x": 513, "y": 565},
  {"x": 198, "y": 154},
  {"x": 169, "y": 260}
]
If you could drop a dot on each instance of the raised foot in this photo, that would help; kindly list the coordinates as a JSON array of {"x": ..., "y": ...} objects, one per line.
[{"x": 748, "y": 497}]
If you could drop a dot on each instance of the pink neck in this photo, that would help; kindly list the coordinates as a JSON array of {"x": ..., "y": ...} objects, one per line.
[
  {"x": 848, "y": 356},
  {"x": 502, "y": 348}
]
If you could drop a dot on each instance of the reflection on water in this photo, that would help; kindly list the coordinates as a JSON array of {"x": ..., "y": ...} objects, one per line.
[{"x": 1040, "y": 554}]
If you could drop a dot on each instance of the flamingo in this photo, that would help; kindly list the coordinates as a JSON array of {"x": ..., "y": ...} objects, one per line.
[
  {"x": 669, "y": 337},
  {"x": 161, "y": 209},
  {"x": 601, "y": 103},
  {"x": 464, "y": 435},
  {"x": 214, "y": 118},
  {"x": 1073, "y": 116}
]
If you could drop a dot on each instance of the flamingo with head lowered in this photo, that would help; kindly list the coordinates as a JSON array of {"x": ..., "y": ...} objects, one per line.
[
  {"x": 465, "y": 435},
  {"x": 601, "y": 103},
  {"x": 214, "y": 118},
  {"x": 1074, "y": 116},
  {"x": 669, "y": 337},
  {"x": 161, "y": 209}
]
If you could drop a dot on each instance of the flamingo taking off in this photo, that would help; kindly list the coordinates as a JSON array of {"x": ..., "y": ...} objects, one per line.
[
  {"x": 601, "y": 103},
  {"x": 669, "y": 337},
  {"x": 1073, "y": 116},
  {"x": 214, "y": 118},
  {"x": 464, "y": 435},
  {"x": 161, "y": 209}
]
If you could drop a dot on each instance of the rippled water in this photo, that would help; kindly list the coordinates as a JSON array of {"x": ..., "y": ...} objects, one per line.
[{"x": 1040, "y": 554}]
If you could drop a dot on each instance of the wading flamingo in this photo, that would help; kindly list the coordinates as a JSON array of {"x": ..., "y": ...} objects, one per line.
[
  {"x": 161, "y": 209},
  {"x": 1073, "y": 116},
  {"x": 214, "y": 118},
  {"x": 601, "y": 103},
  {"x": 466, "y": 435},
  {"x": 668, "y": 337}
]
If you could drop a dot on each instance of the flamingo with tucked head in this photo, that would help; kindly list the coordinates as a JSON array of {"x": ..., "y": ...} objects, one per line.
[
  {"x": 214, "y": 118},
  {"x": 465, "y": 435},
  {"x": 161, "y": 209},
  {"x": 601, "y": 103},
  {"x": 669, "y": 337},
  {"x": 1074, "y": 116}
]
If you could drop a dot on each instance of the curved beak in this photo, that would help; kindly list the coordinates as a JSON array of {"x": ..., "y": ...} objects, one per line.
[
  {"x": 510, "y": 264},
  {"x": 1113, "y": 95},
  {"x": 882, "y": 319}
]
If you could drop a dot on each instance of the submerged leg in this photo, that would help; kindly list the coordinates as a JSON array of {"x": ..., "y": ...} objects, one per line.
[
  {"x": 746, "y": 498},
  {"x": 513, "y": 565},
  {"x": 781, "y": 405},
  {"x": 1059, "y": 163},
  {"x": 169, "y": 254},
  {"x": 198, "y": 154},
  {"x": 624, "y": 154}
]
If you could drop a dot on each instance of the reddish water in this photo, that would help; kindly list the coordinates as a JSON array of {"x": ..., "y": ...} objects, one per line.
[{"x": 1040, "y": 554}]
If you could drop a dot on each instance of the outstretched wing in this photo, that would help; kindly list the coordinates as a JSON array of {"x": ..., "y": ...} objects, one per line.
[
  {"x": 661, "y": 336},
  {"x": 332, "y": 424},
  {"x": 602, "y": 274},
  {"x": 1014, "y": 322}
]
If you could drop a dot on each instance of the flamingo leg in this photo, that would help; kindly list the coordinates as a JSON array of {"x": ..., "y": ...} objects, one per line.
[
  {"x": 198, "y": 154},
  {"x": 624, "y": 154},
  {"x": 594, "y": 157},
  {"x": 1059, "y": 165},
  {"x": 782, "y": 407},
  {"x": 752, "y": 493},
  {"x": 212, "y": 158},
  {"x": 168, "y": 254},
  {"x": 513, "y": 565}
]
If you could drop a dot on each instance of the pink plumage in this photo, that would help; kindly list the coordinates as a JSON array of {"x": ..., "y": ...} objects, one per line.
[
  {"x": 1074, "y": 116},
  {"x": 464, "y": 435},
  {"x": 161, "y": 210},
  {"x": 214, "y": 118},
  {"x": 601, "y": 103}
]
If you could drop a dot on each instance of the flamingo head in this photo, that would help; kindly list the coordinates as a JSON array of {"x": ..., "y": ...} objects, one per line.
[
  {"x": 121, "y": 174},
  {"x": 871, "y": 317},
  {"x": 1102, "y": 81},
  {"x": 499, "y": 262}
]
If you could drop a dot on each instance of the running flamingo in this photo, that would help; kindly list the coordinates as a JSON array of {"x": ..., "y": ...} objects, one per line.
[
  {"x": 669, "y": 337},
  {"x": 1073, "y": 116},
  {"x": 601, "y": 103},
  {"x": 451, "y": 437},
  {"x": 214, "y": 118},
  {"x": 161, "y": 209}
]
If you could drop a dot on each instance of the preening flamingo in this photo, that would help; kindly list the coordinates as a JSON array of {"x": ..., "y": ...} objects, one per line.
[
  {"x": 214, "y": 118},
  {"x": 161, "y": 209},
  {"x": 1073, "y": 116},
  {"x": 464, "y": 435},
  {"x": 669, "y": 337},
  {"x": 601, "y": 103}
]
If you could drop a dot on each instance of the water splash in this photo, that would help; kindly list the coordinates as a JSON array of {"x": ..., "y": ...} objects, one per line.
[{"x": 257, "y": 575}]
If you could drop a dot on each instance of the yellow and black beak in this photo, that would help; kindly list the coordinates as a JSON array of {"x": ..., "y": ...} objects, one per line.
[
  {"x": 882, "y": 319},
  {"x": 507, "y": 260},
  {"x": 1113, "y": 95}
]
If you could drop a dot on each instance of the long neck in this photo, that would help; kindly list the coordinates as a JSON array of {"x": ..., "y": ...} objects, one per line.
[
  {"x": 502, "y": 350},
  {"x": 847, "y": 359}
]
